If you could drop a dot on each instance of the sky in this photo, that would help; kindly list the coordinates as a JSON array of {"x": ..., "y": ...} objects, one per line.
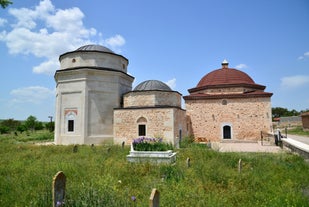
[{"x": 176, "y": 41}]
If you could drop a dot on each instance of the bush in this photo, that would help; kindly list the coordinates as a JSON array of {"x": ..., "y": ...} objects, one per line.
[
  {"x": 4, "y": 129},
  {"x": 150, "y": 144}
]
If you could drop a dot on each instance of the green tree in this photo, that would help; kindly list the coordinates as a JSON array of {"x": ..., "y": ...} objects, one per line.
[
  {"x": 11, "y": 124},
  {"x": 21, "y": 128},
  {"x": 4, "y": 130},
  {"x": 280, "y": 112},
  {"x": 38, "y": 125},
  {"x": 31, "y": 122},
  {"x": 5, "y": 3}
]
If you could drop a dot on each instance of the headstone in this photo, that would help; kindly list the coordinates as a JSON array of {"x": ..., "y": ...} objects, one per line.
[
  {"x": 154, "y": 198},
  {"x": 108, "y": 150},
  {"x": 123, "y": 144},
  {"x": 75, "y": 148},
  {"x": 59, "y": 189},
  {"x": 239, "y": 166},
  {"x": 188, "y": 162}
]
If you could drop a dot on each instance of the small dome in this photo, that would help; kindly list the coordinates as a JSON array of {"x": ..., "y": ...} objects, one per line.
[
  {"x": 225, "y": 76},
  {"x": 151, "y": 85},
  {"x": 99, "y": 48}
]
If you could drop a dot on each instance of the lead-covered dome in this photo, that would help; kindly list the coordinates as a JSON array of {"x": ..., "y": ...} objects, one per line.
[
  {"x": 98, "y": 48},
  {"x": 152, "y": 85}
]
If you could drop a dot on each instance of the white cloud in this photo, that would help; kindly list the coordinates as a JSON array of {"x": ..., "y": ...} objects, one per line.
[
  {"x": 2, "y": 22},
  {"x": 171, "y": 83},
  {"x": 47, "y": 32},
  {"x": 294, "y": 81},
  {"x": 47, "y": 67},
  {"x": 305, "y": 55},
  {"x": 115, "y": 42},
  {"x": 31, "y": 94},
  {"x": 241, "y": 66}
]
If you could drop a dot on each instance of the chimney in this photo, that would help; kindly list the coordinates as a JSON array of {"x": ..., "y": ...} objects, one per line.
[{"x": 225, "y": 64}]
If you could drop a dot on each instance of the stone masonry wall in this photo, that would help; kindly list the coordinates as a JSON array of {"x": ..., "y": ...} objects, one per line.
[
  {"x": 247, "y": 118},
  {"x": 160, "y": 123},
  {"x": 152, "y": 98}
]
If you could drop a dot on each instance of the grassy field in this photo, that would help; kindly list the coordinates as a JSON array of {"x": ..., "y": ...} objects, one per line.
[
  {"x": 101, "y": 176},
  {"x": 298, "y": 131}
]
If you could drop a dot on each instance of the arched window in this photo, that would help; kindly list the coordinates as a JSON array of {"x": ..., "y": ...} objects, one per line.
[
  {"x": 227, "y": 132},
  {"x": 141, "y": 122},
  {"x": 70, "y": 119}
]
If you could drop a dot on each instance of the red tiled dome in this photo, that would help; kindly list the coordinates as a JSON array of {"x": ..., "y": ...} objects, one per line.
[{"x": 225, "y": 76}]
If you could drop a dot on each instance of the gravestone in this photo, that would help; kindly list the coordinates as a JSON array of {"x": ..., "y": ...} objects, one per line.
[
  {"x": 59, "y": 181},
  {"x": 123, "y": 144},
  {"x": 239, "y": 166},
  {"x": 188, "y": 162},
  {"x": 154, "y": 198},
  {"x": 75, "y": 148}
]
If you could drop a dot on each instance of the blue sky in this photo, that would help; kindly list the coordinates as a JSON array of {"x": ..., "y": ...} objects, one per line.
[{"x": 177, "y": 42}]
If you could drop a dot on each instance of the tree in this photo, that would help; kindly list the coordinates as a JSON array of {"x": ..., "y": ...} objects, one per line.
[
  {"x": 21, "y": 128},
  {"x": 281, "y": 112},
  {"x": 5, "y": 3},
  {"x": 11, "y": 124},
  {"x": 31, "y": 122}
]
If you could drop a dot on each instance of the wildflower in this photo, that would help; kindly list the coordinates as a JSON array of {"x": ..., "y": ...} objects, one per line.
[
  {"x": 133, "y": 198},
  {"x": 59, "y": 203}
]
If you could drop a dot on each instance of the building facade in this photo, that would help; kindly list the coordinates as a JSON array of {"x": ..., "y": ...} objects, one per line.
[
  {"x": 89, "y": 85},
  {"x": 227, "y": 104},
  {"x": 95, "y": 103}
]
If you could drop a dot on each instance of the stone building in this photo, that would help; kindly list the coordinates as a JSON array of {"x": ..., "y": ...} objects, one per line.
[
  {"x": 89, "y": 85},
  {"x": 227, "y": 104},
  {"x": 95, "y": 103},
  {"x": 152, "y": 109}
]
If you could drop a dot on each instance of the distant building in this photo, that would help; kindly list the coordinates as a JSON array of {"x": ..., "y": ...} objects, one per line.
[
  {"x": 95, "y": 103},
  {"x": 305, "y": 120}
]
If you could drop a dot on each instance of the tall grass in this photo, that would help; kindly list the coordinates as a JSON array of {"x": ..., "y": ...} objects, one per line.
[{"x": 101, "y": 176}]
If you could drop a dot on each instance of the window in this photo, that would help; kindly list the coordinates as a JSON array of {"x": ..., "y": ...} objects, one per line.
[
  {"x": 141, "y": 122},
  {"x": 227, "y": 132},
  {"x": 70, "y": 117},
  {"x": 70, "y": 125},
  {"x": 141, "y": 130}
]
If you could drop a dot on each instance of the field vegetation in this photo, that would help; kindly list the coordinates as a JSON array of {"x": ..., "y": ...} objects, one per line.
[
  {"x": 101, "y": 176},
  {"x": 298, "y": 131}
]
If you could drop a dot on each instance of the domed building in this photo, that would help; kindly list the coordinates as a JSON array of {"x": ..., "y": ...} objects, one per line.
[
  {"x": 89, "y": 85},
  {"x": 227, "y": 104},
  {"x": 95, "y": 103},
  {"x": 152, "y": 109}
]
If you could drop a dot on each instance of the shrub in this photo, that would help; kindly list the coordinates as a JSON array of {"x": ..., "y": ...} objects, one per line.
[
  {"x": 151, "y": 144},
  {"x": 4, "y": 129}
]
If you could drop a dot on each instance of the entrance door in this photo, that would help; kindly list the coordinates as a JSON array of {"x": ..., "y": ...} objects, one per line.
[{"x": 226, "y": 132}]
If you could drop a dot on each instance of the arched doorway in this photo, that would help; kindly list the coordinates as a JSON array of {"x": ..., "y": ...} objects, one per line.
[{"x": 227, "y": 134}]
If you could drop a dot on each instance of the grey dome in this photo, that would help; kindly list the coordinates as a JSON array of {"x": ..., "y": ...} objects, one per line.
[
  {"x": 99, "y": 48},
  {"x": 151, "y": 85}
]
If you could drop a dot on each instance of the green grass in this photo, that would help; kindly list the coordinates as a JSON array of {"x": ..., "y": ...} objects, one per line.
[
  {"x": 298, "y": 131},
  {"x": 101, "y": 176}
]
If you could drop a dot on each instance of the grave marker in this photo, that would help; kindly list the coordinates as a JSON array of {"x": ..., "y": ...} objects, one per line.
[
  {"x": 239, "y": 166},
  {"x": 188, "y": 162},
  {"x": 75, "y": 148},
  {"x": 154, "y": 198},
  {"x": 59, "y": 181}
]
